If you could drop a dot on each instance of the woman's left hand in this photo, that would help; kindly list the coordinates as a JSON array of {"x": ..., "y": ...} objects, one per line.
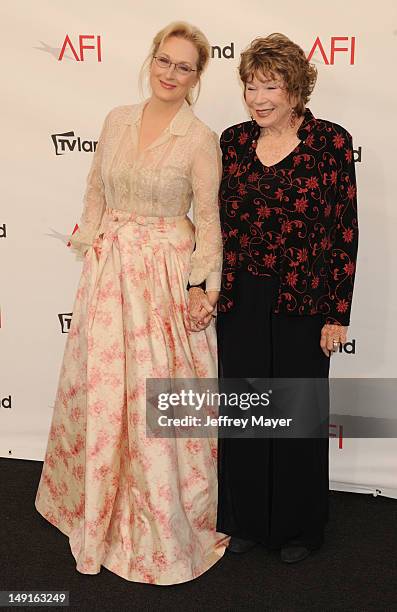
[
  {"x": 201, "y": 308},
  {"x": 331, "y": 338}
]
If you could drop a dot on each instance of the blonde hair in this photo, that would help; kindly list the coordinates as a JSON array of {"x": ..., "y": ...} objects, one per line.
[
  {"x": 277, "y": 54},
  {"x": 180, "y": 29}
]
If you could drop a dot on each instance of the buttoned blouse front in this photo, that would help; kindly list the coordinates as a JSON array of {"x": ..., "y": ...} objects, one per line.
[{"x": 180, "y": 168}]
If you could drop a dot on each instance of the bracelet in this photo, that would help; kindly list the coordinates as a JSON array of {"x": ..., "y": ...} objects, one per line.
[{"x": 200, "y": 286}]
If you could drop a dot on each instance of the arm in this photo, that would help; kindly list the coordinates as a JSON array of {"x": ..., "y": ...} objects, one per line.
[
  {"x": 206, "y": 260},
  {"x": 342, "y": 264},
  {"x": 94, "y": 202}
]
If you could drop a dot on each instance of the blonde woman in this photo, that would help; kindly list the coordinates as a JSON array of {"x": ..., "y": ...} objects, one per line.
[{"x": 144, "y": 508}]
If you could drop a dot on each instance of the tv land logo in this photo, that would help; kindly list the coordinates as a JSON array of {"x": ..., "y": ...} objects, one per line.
[
  {"x": 65, "y": 319},
  {"x": 348, "y": 347},
  {"x": 5, "y": 402},
  {"x": 68, "y": 142},
  {"x": 218, "y": 52}
]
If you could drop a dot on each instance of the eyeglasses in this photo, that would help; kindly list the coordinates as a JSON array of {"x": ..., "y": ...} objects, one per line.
[{"x": 164, "y": 62}]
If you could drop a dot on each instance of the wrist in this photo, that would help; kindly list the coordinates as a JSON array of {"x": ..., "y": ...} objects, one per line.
[{"x": 196, "y": 290}]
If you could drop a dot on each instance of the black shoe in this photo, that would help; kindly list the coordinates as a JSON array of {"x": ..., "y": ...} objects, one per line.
[
  {"x": 294, "y": 553},
  {"x": 237, "y": 545}
]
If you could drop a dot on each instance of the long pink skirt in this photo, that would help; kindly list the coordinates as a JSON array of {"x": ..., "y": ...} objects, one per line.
[{"x": 144, "y": 508}]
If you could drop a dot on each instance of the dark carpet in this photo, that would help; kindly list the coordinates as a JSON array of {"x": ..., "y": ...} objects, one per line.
[{"x": 355, "y": 570}]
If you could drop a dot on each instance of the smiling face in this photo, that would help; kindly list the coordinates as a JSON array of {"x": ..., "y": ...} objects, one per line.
[
  {"x": 268, "y": 101},
  {"x": 168, "y": 84}
]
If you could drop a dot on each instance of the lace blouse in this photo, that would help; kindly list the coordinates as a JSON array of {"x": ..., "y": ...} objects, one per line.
[{"x": 182, "y": 167}]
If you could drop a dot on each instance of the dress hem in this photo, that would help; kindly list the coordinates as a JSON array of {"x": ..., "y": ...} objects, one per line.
[{"x": 214, "y": 558}]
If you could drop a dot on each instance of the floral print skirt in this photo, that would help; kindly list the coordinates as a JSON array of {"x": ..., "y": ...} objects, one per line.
[{"x": 144, "y": 508}]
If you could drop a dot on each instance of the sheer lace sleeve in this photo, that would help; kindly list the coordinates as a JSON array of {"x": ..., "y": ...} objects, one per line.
[
  {"x": 93, "y": 202},
  {"x": 206, "y": 261}
]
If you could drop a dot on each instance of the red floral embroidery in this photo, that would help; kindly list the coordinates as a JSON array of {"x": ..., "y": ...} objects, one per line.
[
  {"x": 269, "y": 260},
  {"x": 349, "y": 268},
  {"x": 300, "y": 213},
  {"x": 338, "y": 141},
  {"x": 348, "y": 235},
  {"x": 302, "y": 255},
  {"x": 243, "y": 138},
  {"x": 286, "y": 227},
  {"x": 264, "y": 211},
  {"x": 351, "y": 192},
  {"x": 244, "y": 240},
  {"x": 312, "y": 182},
  {"x": 279, "y": 194},
  {"x": 301, "y": 205},
  {"x": 309, "y": 140},
  {"x": 253, "y": 177},
  {"x": 342, "y": 305},
  {"x": 292, "y": 278},
  {"x": 231, "y": 258}
]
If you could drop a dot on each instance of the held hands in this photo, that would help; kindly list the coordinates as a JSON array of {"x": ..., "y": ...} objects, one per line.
[
  {"x": 331, "y": 337},
  {"x": 201, "y": 307}
]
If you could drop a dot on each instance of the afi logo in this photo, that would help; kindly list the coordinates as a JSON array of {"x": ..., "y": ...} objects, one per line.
[
  {"x": 337, "y": 432},
  {"x": 67, "y": 141},
  {"x": 348, "y": 347},
  {"x": 81, "y": 47},
  {"x": 349, "y": 48},
  {"x": 6, "y": 402},
  {"x": 3, "y": 231},
  {"x": 65, "y": 319},
  {"x": 226, "y": 52}
]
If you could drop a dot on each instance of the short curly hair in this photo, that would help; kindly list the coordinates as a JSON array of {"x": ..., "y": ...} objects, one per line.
[{"x": 276, "y": 55}]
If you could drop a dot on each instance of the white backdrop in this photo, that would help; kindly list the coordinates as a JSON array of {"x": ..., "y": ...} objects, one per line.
[{"x": 42, "y": 191}]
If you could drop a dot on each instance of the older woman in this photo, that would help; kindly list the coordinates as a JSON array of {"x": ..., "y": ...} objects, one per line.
[{"x": 289, "y": 223}]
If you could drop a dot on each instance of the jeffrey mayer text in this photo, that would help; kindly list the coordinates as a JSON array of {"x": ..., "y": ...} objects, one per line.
[
  {"x": 222, "y": 421},
  {"x": 261, "y": 421}
]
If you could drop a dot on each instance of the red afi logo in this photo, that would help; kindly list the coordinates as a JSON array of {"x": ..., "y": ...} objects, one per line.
[
  {"x": 82, "y": 46},
  {"x": 350, "y": 49}
]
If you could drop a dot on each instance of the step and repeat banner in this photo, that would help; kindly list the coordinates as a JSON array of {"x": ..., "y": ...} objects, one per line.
[{"x": 66, "y": 64}]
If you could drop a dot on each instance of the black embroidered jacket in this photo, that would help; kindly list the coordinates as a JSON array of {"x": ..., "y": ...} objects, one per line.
[{"x": 297, "y": 218}]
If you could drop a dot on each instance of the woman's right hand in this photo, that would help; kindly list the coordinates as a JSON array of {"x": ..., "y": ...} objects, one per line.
[{"x": 200, "y": 308}]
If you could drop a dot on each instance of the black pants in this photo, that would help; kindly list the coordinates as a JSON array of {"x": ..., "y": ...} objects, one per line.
[{"x": 271, "y": 490}]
